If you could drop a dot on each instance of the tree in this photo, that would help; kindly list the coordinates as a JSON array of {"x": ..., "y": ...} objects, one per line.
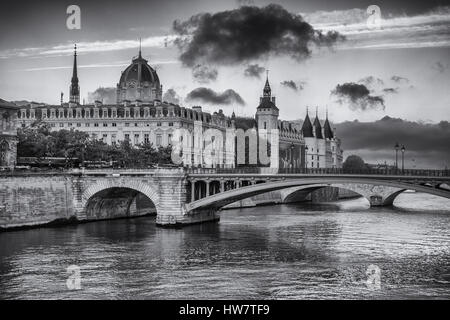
[
  {"x": 39, "y": 141},
  {"x": 354, "y": 163}
]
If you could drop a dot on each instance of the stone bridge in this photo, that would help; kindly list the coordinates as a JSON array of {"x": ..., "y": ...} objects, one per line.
[{"x": 179, "y": 196}]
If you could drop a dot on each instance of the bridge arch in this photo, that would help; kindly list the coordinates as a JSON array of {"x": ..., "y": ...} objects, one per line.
[
  {"x": 114, "y": 199},
  {"x": 377, "y": 192}
]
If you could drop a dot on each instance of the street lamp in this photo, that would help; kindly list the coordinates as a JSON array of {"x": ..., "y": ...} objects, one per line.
[
  {"x": 403, "y": 158},
  {"x": 292, "y": 155},
  {"x": 306, "y": 158},
  {"x": 396, "y": 147}
]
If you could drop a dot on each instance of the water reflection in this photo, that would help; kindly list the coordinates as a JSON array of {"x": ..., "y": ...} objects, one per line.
[{"x": 289, "y": 251}]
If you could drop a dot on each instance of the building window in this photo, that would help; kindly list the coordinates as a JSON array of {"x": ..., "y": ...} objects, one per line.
[
  {"x": 158, "y": 124},
  {"x": 104, "y": 137},
  {"x": 105, "y": 124},
  {"x": 86, "y": 124},
  {"x": 146, "y": 138},
  {"x": 69, "y": 124},
  {"x": 114, "y": 124},
  {"x": 170, "y": 138},
  {"x": 52, "y": 125},
  {"x": 158, "y": 140},
  {"x": 265, "y": 125},
  {"x": 61, "y": 125},
  {"x": 127, "y": 137},
  {"x": 113, "y": 139},
  {"x": 136, "y": 138},
  {"x": 105, "y": 113},
  {"x": 96, "y": 124},
  {"x": 135, "y": 124},
  {"x": 170, "y": 124},
  {"x": 78, "y": 124},
  {"x": 127, "y": 124}
]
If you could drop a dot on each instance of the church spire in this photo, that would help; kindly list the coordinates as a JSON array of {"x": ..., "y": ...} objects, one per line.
[
  {"x": 140, "y": 48},
  {"x": 267, "y": 91},
  {"x": 74, "y": 86}
]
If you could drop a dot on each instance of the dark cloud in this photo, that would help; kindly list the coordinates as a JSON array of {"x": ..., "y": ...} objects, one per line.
[
  {"x": 207, "y": 95},
  {"x": 297, "y": 86},
  {"x": 204, "y": 74},
  {"x": 254, "y": 70},
  {"x": 247, "y": 33},
  {"x": 107, "y": 95},
  {"x": 440, "y": 67},
  {"x": 371, "y": 80},
  {"x": 390, "y": 90},
  {"x": 399, "y": 79},
  {"x": 357, "y": 96},
  {"x": 171, "y": 96},
  {"x": 428, "y": 142}
]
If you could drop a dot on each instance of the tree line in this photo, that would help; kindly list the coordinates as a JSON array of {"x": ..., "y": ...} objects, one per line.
[{"x": 39, "y": 141}]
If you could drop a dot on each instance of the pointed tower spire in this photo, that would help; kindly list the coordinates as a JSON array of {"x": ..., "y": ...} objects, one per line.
[
  {"x": 267, "y": 92},
  {"x": 307, "y": 129},
  {"x": 74, "y": 86},
  {"x": 140, "y": 48},
  {"x": 317, "y": 125},
  {"x": 329, "y": 134}
]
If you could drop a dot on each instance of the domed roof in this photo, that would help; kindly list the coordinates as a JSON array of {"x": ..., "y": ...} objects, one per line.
[{"x": 140, "y": 71}]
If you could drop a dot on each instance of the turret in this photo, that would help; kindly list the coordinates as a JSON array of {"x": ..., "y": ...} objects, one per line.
[
  {"x": 267, "y": 112},
  {"x": 307, "y": 128},
  {"x": 317, "y": 126}
]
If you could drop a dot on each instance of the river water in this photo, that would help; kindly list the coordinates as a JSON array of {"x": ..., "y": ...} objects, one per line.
[{"x": 273, "y": 252}]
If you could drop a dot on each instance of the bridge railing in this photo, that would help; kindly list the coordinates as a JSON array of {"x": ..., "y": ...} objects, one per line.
[{"x": 321, "y": 171}]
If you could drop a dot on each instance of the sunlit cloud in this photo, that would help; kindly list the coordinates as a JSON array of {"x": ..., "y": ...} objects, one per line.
[
  {"x": 94, "y": 65},
  {"x": 88, "y": 47},
  {"x": 430, "y": 29}
]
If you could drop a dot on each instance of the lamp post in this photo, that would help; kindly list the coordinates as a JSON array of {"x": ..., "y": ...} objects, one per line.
[
  {"x": 396, "y": 147},
  {"x": 306, "y": 159},
  {"x": 292, "y": 155},
  {"x": 403, "y": 158}
]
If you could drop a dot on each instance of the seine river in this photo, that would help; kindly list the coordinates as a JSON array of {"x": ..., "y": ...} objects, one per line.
[{"x": 273, "y": 252}]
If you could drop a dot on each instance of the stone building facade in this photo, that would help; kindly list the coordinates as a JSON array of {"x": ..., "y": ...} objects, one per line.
[
  {"x": 8, "y": 134},
  {"x": 323, "y": 147},
  {"x": 139, "y": 116}
]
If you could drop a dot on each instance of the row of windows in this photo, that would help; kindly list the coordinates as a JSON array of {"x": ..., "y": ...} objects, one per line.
[
  {"x": 96, "y": 124},
  {"x": 114, "y": 113}
]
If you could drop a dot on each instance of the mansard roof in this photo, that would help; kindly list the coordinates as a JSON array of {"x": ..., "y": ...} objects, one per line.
[
  {"x": 244, "y": 123},
  {"x": 8, "y": 105}
]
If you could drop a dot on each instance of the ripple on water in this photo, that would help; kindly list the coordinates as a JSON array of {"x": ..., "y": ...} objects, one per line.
[{"x": 274, "y": 252}]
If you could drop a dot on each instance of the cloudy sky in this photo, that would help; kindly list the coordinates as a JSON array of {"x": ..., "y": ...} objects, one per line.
[{"x": 216, "y": 53}]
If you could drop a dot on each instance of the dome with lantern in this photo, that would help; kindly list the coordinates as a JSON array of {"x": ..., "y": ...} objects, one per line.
[{"x": 139, "y": 81}]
